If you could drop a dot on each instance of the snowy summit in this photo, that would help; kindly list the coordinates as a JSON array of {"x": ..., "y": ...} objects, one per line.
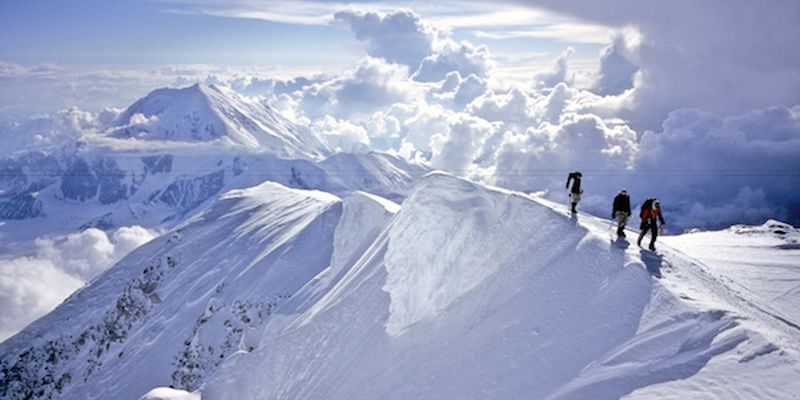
[{"x": 201, "y": 113}]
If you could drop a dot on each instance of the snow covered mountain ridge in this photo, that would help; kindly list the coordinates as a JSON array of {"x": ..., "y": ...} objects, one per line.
[
  {"x": 201, "y": 113},
  {"x": 153, "y": 177},
  {"x": 180, "y": 148},
  {"x": 462, "y": 291}
]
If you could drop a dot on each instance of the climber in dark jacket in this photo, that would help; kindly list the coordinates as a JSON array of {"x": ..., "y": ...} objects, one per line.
[
  {"x": 621, "y": 211},
  {"x": 576, "y": 191}
]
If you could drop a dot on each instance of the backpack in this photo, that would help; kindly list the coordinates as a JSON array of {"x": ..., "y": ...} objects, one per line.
[{"x": 647, "y": 205}]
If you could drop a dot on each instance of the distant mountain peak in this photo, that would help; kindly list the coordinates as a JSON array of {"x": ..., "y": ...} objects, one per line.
[{"x": 204, "y": 113}]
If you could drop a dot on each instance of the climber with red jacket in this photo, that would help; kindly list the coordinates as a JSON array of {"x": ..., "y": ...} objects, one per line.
[{"x": 651, "y": 216}]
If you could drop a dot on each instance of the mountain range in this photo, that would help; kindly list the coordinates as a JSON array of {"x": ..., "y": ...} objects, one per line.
[
  {"x": 197, "y": 142},
  {"x": 289, "y": 272}
]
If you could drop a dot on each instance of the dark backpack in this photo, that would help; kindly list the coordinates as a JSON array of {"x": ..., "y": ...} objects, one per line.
[{"x": 648, "y": 204}]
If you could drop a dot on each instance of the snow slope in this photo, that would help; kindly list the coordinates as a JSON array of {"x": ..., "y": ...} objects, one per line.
[
  {"x": 759, "y": 263},
  {"x": 172, "y": 310},
  {"x": 464, "y": 292},
  {"x": 474, "y": 292},
  {"x": 157, "y": 167}
]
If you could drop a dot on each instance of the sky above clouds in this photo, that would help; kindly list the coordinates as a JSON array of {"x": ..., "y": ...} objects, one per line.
[
  {"x": 694, "y": 102},
  {"x": 96, "y": 53}
]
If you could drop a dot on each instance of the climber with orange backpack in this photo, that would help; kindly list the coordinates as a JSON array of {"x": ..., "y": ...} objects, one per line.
[{"x": 651, "y": 216}]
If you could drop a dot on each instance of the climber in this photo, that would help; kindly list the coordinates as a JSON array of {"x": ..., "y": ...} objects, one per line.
[
  {"x": 621, "y": 211},
  {"x": 650, "y": 214},
  {"x": 576, "y": 191}
]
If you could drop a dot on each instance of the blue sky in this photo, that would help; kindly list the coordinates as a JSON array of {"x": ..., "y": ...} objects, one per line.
[
  {"x": 60, "y": 46},
  {"x": 94, "y": 32}
]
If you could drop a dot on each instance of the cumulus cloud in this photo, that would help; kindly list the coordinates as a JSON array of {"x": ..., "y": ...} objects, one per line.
[
  {"x": 512, "y": 107},
  {"x": 255, "y": 86},
  {"x": 425, "y": 95},
  {"x": 538, "y": 157},
  {"x": 385, "y": 130},
  {"x": 341, "y": 135},
  {"x": 457, "y": 148},
  {"x": 463, "y": 57},
  {"x": 49, "y": 132},
  {"x": 31, "y": 286},
  {"x": 559, "y": 73},
  {"x": 430, "y": 53},
  {"x": 141, "y": 121},
  {"x": 85, "y": 254},
  {"x": 456, "y": 92},
  {"x": 421, "y": 129},
  {"x": 29, "y": 289},
  {"x": 732, "y": 169},
  {"x": 371, "y": 86},
  {"x": 709, "y": 170},
  {"x": 617, "y": 70},
  {"x": 400, "y": 37},
  {"x": 724, "y": 57}
]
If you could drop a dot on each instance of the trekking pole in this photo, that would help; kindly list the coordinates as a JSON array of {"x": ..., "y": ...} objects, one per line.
[
  {"x": 569, "y": 201},
  {"x": 613, "y": 219}
]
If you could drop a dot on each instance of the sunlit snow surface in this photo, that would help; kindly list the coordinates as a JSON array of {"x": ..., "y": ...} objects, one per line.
[
  {"x": 461, "y": 292},
  {"x": 473, "y": 292},
  {"x": 169, "y": 156}
]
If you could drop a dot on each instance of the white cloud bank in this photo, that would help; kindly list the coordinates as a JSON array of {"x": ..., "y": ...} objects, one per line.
[
  {"x": 727, "y": 57},
  {"x": 31, "y": 286},
  {"x": 655, "y": 118}
]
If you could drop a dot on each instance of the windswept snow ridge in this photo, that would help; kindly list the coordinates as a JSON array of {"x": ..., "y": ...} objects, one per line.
[
  {"x": 169, "y": 394},
  {"x": 448, "y": 241},
  {"x": 473, "y": 292},
  {"x": 172, "y": 310},
  {"x": 464, "y": 291}
]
